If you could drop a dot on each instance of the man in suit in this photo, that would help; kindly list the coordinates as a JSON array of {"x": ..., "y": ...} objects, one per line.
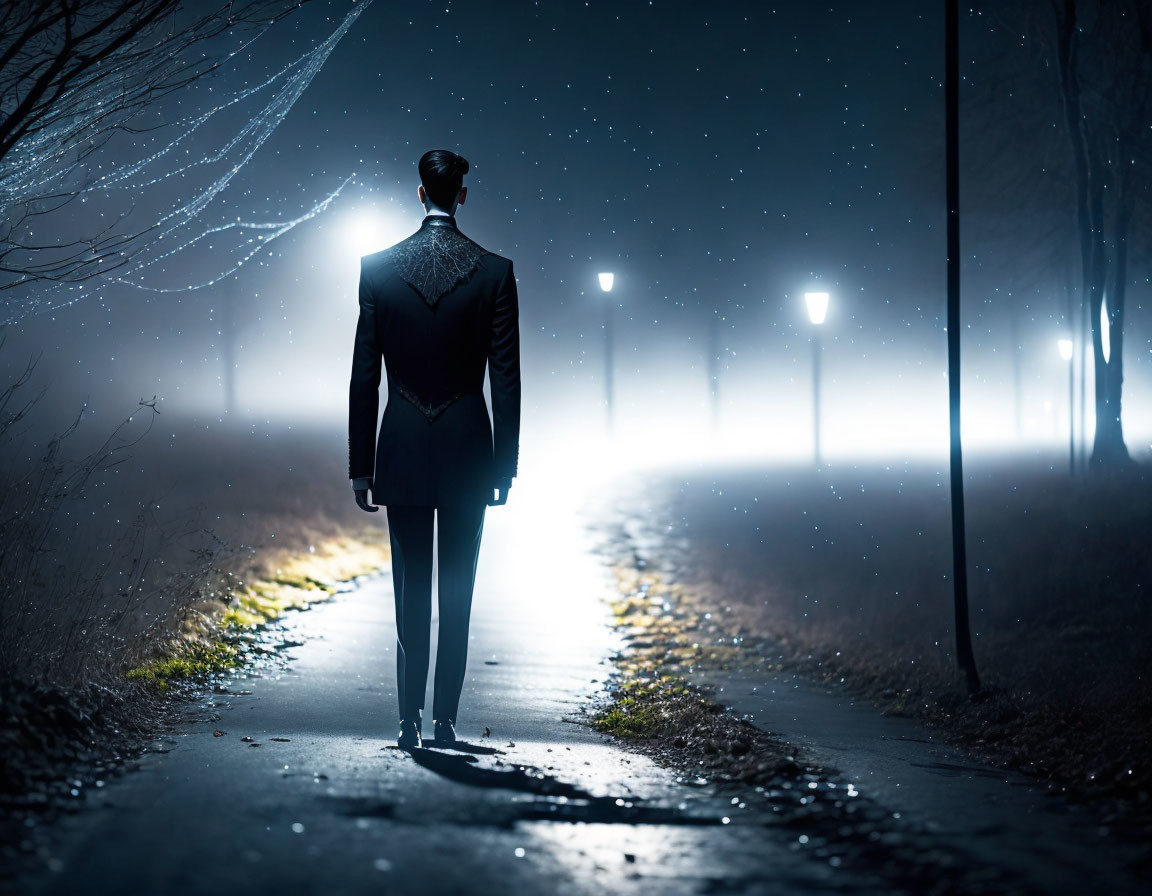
[{"x": 436, "y": 307}]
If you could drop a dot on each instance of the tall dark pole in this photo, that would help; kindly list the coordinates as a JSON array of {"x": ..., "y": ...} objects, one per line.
[
  {"x": 608, "y": 352},
  {"x": 816, "y": 394},
  {"x": 952, "y": 177}
]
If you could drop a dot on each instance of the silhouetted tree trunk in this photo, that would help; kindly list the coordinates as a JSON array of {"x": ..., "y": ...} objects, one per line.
[
  {"x": 1052, "y": 77},
  {"x": 1107, "y": 102}
]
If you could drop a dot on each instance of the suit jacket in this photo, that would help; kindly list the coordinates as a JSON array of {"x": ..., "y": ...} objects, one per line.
[{"x": 436, "y": 307}]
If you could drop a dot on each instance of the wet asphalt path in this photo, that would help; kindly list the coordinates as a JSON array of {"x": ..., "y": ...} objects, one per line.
[{"x": 320, "y": 801}]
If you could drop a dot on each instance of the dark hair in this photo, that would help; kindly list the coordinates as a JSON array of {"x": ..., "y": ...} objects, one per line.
[{"x": 442, "y": 173}]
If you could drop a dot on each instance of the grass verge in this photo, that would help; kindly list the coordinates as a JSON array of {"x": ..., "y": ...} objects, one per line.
[
  {"x": 212, "y": 634},
  {"x": 56, "y": 744},
  {"x": 653, "y": 708},
  {"x": 651, "y": 704}
]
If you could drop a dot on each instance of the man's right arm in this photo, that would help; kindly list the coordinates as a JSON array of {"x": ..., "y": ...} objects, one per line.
[{"x": 364, "y": 388}]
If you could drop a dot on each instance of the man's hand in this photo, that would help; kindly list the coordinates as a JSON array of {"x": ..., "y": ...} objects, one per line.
[
  {"x": 362, "y": 500},
  {"x": 502, "y": 487}
]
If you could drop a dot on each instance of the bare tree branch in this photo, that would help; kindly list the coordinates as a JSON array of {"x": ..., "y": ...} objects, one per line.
[{"x": 78, "y": 82}]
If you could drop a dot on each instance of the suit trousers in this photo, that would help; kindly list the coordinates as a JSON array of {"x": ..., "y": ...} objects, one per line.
[{"x": 458, "y": 530}]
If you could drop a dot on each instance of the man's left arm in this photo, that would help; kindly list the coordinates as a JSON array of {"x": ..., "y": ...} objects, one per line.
[
  {"x": 504, "y": 378},
  {"x": 364, "y": 390}
]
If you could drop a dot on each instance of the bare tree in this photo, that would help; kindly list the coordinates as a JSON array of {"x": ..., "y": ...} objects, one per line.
[
  {"x": 74, "y": 75},
  {"x": 1019, "y": 184},
  {"x": 1103, "y": 56},
  {"x": 1058, "y": 125}
]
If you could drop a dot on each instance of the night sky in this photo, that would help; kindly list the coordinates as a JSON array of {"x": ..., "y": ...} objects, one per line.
[{"x": 718, "y": 158}]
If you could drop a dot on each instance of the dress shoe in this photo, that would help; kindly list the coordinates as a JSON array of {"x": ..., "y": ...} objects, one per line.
[
  {"x": 409, "y": 734},
  {"x": 444, "y": 732}
]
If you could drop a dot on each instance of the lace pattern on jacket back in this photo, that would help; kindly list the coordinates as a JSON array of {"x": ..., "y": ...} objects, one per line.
[{"x": 436, "y": 260}]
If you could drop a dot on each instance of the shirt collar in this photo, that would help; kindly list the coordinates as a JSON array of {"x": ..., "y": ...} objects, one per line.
[{"x": 434, "y": 219}]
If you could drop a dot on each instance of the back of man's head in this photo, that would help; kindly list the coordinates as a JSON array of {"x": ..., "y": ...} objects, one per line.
[{"x": 442, "y": 174}]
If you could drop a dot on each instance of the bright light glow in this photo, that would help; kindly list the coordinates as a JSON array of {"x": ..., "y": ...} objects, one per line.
[
  {"x": 606, "y": 281},
  {"x": 817, "y": 303},
  {"x": 1105, "y": 330},
  {"x": 1065, "y": 347},
  {"x": 885, "y": 406},
  {"x": 541, "y": 532},
  {"x": 368, "y": 230},
  {"x": 890, "y": 412}
]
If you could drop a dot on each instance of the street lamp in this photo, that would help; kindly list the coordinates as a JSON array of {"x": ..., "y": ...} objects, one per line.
[
  {"x": 1065, "y": 347},
  {"x": 817, "y": 303},
  {"x": 606, "y": 280}
]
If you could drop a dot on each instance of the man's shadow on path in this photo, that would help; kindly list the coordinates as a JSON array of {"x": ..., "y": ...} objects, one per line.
[
  {"x": 462, "y": 746},
  {"x": 554, "y": 800},
  {"x": 466, "y": 770},
  {"x": 558, "y": 800}
]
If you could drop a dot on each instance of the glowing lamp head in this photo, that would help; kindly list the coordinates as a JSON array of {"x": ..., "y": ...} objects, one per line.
[
  {"x": 817, "y": 303},
  {"x": 1065, "y": 347},
  {"x": 606, "y": 280}
]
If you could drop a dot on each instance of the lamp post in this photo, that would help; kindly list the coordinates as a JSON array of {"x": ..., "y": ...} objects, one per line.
[
  {"x": 606, "y": 280},
  {"x": 1065, "y": 347},
  {"x": 817, "y": 303},
  {"x": 964, "y": 654}
]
